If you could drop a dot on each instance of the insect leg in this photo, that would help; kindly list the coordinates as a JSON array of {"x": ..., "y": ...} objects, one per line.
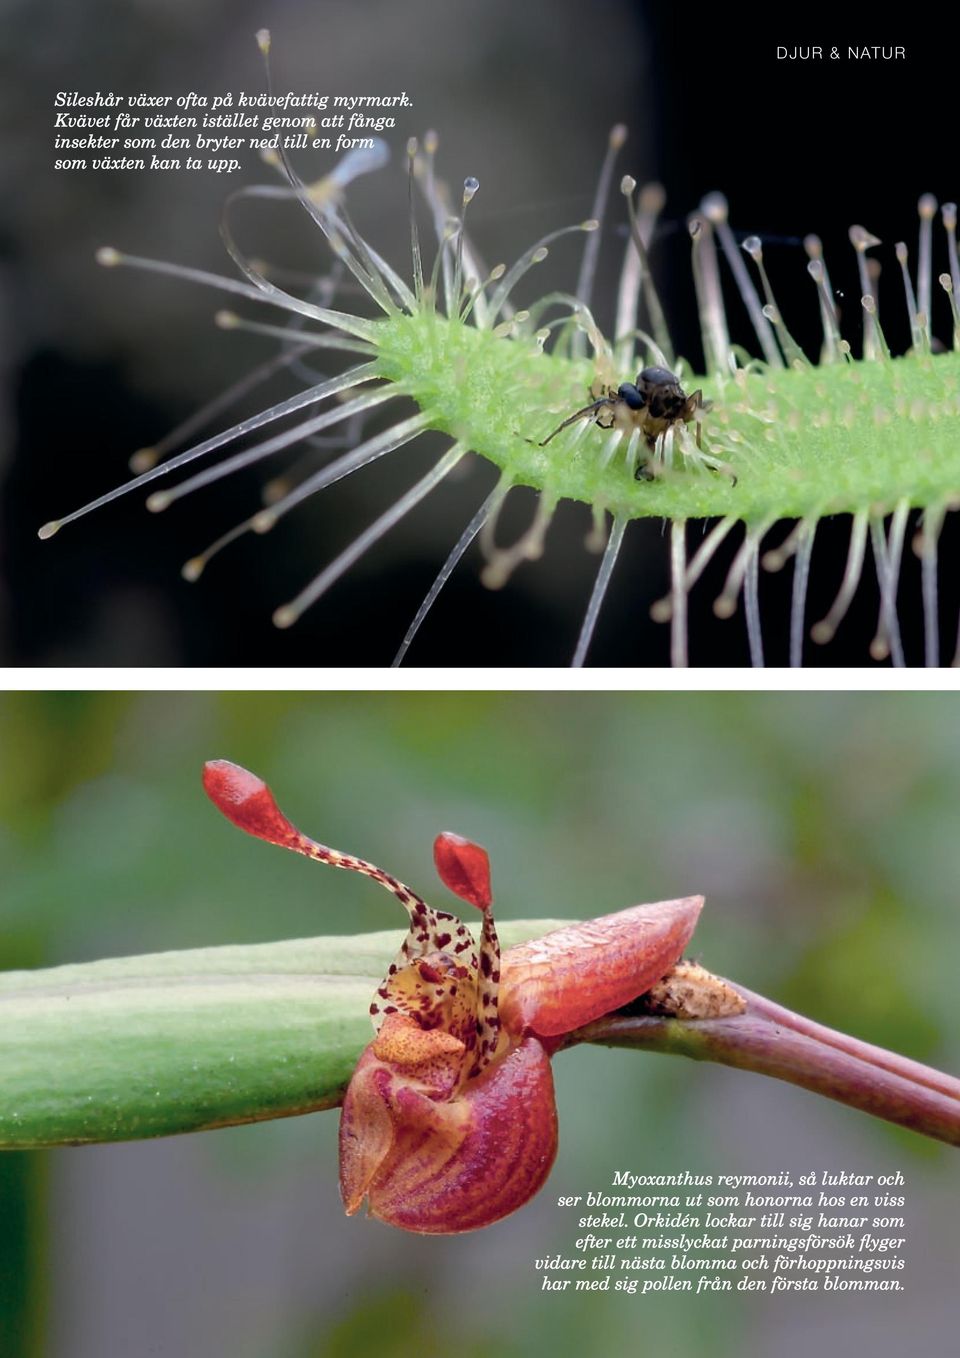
[
  {"x": 577, "y": 415},
  {"x": 645, "y": 471}
]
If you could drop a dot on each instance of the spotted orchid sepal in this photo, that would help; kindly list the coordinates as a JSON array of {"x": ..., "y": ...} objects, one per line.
[
  {"x": 247, "y": 801},
  {"x": 449, "y": 1121}
]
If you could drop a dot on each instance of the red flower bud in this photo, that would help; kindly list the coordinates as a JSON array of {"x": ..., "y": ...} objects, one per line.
[
  {"x": 464, "y": 868},
  {"x": 554, "y": 984}
]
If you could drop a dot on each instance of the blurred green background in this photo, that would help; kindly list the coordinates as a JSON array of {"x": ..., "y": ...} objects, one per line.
[{"x": 821, "y": 828}]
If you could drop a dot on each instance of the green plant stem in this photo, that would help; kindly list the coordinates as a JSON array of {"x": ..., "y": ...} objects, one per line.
[
  {"x": 186, "y": 1041},
  {"x": 172, "y": 1042},
  {"x": 771, "y": 1040}
]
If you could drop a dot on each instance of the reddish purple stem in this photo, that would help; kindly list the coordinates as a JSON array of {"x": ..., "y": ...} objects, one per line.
[{"x": 774, "y": 1041}]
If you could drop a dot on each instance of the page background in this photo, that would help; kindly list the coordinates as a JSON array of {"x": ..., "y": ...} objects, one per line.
[{"x": 100, "y": 363}]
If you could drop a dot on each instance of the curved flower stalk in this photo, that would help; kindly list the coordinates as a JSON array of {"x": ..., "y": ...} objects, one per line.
[
  {"x": 449, "y": 1120},
  {"x": 785, "y": 441},
  {"x": 767, "y": 1038}
]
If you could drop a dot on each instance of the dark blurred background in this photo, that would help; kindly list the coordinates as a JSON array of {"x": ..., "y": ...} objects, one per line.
[
  {"x": 99, "y": 363},
  {"x": 821, "y": 829}
]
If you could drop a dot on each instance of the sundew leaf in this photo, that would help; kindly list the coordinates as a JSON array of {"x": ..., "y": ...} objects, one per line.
[{"x": 756, "y": 453}]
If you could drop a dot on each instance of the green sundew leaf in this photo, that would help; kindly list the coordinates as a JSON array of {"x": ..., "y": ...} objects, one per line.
[
  {"x": 810, "y": 441},
  {"x": 173, "y": 1042}
]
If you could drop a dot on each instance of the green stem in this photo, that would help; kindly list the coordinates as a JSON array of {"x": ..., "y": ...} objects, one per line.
[
  {"x": 135, "y": 1047},
  {"x": 186, "y": 1041},
  {"x": 771, "y": 1040}
]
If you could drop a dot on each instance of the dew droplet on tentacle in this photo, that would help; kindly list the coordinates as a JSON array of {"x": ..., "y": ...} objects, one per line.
[
  {"x": 706, "y": 281},
  {"x": 817, "y": 269},
  {"x": 902, "y": 259},
  {"x": 503, "y": 561},
  {"x": 798, "y": 598},
  {"x": 536, "y": 254},
  {"x": 162, "y": 499},
  {"x": 926, "y": 209},
  {"x": 651, "y": 297},
  {"x": 824, "y": 630},
  {"x": 949, "y": 213},
  {"x": 470, "y": 187},
  {"x": 287, "y": 614},
  {"x": 794, "y": 355},
  {"x": 145, "y": 458},
  {"x": 193, "y": 569},
  {"x": 888, "y": 553},
  {"x": 313, "y": 396},
  {"x": 715, "y": 209},
  {"x": 726, "y": 603},
  {"x": 862, "y": 241},
  {"x": 946, "y": 283},
  {"x": 591, "y": 247},
  {"x": 662, "y": 609},
  {"x": 415, "y": 256},
  {"x": 869, "y": 304}
]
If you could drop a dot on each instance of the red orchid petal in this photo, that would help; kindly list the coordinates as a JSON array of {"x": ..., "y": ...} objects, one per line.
[
  {"x": 557, "y": 983},
  {"x": 464, "y": 868},
  {"x": 440, "y": 1168},
  {"x": 246, "y": 800}
]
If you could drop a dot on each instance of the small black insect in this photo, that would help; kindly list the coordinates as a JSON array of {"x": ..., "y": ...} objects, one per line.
[{"x": 652, "y": 404}]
